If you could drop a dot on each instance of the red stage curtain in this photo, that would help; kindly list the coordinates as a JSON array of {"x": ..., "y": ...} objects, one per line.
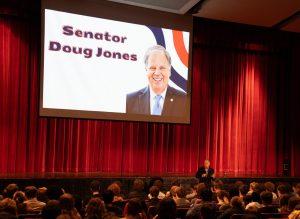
[{"x": 244, "y": 116}]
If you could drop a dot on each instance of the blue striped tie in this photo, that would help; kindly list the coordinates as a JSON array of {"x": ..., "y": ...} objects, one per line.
[{"x": 156, "y": 107}]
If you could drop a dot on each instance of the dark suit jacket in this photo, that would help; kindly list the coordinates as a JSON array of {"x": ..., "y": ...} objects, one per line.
[
  {"x": 174, "y": 105},
  {"x": 208, "y": 179}
]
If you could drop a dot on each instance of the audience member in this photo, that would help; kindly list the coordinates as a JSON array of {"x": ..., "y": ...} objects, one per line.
[
  {"x": 108, "y": 198},
  {"x": 95, "y": 208},
  {"x": 237, "y": 207},
  {"x": 32, "y": 202},
  {"x": 270, "y": 187},
  {"x": 283, "y": 204},
  {"x": 138, "y": 190},
  {"x": 134, "y": 209},
  {"x": 193, "y": 191},
  {"x": 159, "y": 184},
  {"x": 180, "y": 199},
  {"x": 9, "y": 206},
  {"x": 10, "y": 190},
  {"x": 295, "y": 214},
  {"x": 266, "y": 206},
  {"x": 282, "y": 190},
  {"x": 255, "y": 201},
  {"x": 42, "y": 194},
  {"x": 208, "y": 211},
  {"x": 252, "y": 188},
  {"x": 54, "y": 192},
  {"x": 115, "y": 188},
  {"x": 166, "y": 209},
  {"x": 223, "y": 200},
  {"x": 206, "y": 198},
  {"x": 293, "y": 202},
  {"x": 51, "y": 210},
  {"x": 22, "y": 207},
  {"x": 154, "y": 192},
  {"x": 217, "y": 186},
  {"x": 67, "y": 206}
]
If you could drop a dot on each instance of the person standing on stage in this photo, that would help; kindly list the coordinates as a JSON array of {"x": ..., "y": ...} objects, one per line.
[{"x": 206, "y": 174}]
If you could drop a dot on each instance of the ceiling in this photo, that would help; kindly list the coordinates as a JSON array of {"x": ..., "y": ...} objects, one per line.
[{"x": 284, "y": 14}]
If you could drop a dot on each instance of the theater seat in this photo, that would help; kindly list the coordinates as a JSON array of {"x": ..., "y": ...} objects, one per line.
[
  {"x": 181, "y": 212},
  {"x": 273, "y": 215},
  {"x": 236, "y": 216}
]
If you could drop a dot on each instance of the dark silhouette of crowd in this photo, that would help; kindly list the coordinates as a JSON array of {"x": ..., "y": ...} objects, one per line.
[{"x": 195, "y": 201}]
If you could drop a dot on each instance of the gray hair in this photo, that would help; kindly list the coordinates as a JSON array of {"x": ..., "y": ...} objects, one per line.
[{"x": 156, "y": 48}]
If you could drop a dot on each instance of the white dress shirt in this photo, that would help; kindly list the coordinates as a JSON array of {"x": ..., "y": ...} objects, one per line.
[{"x": 152, "y": 99}]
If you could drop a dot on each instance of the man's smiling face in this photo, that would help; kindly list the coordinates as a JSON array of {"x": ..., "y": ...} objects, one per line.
[{"x": 158, "y": 71}]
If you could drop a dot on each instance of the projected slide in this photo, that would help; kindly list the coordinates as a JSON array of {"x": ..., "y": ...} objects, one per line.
[{"x": 119, "y": 70}]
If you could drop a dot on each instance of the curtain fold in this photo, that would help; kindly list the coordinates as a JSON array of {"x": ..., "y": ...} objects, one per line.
[{"x": 244, "y": 114}]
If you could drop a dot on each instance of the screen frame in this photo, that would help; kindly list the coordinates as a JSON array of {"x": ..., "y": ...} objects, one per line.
[{"x": 103, "y": 9}]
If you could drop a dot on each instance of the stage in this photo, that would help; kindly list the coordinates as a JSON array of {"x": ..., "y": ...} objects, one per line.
[{"x": 78, "y": 183}]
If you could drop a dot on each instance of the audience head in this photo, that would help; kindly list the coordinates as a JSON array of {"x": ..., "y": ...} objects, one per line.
[
  {"x": 199, "y": 188},
  {"x": 108, "y": 196},
  {"x": 283, "y": 203},
  {"x": 51, "y": 210},
  {"x": 9, "y": 206},
  {"x": 218, "y": 185},
  {"x": 223, "y": 196},
  {"x": 134, "y": 207},
  {"x": 54, "y": 193},
  {"x": 243, "y": 189},
  {"x": 234, "y": 191},
  {"x": 252, "y": 186},
  {"x": 166, "y": 209},
  {"x": 173, "y": 191},
  {"x": 154, "y": 191},
  {"x": 31, "y": 192},
  {"x": 238, "y": 183},
  {"x": 296, "y": 188},
  {"x": 67, "y": 202},
  {"x": 266, "y": 198},
  {"x": 206, "y": 195},
  {"x": 270, "y": 187},
  {"x": 95, "y": 208},
  {"x": 19, "y": 197},
  {"x": 180, "y": 192},
  {"x": 176, "y": 182},
  {"x": 255, "y": 197},
  {"x": 207, "y": 211},
  {"x": 158, "y": 183},
  {"x": 42, "y": 194},
  {"x": 10, "y": 190},
  {"x": 282, "y": 190},
  {"x": 95, "y": 186},
  {"x": 293, "y": 202},
  {"x": 237, "y": 203},
  {"x": 138, "y": 185},
  {"x": 259, "y": 188},
  {"x": 115, "y": 188}
]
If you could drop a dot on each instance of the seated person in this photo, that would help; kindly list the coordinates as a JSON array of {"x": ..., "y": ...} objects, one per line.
[
  {"x": 270, "y": 187},
  {"x": 32, "y": 202},
  {"x": 159, "y": 184},
  {"x": 154, "y": 192},
  {"x": 138, "y": 190},
  {"x": 205, "y": 197},
  {"x": 208, "y": 211},
  {"x": 180, "y": 199},
  {"x": 115, "y": 188},
  {"x": 237, "y": 207},
  {"x": 166, "y": 209},
  {"x": 193, "y": 192},
  {"x": 266, "y": 207},
  {"x": 223, "y": 200},
  {"x": 108, "y": 197}
]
